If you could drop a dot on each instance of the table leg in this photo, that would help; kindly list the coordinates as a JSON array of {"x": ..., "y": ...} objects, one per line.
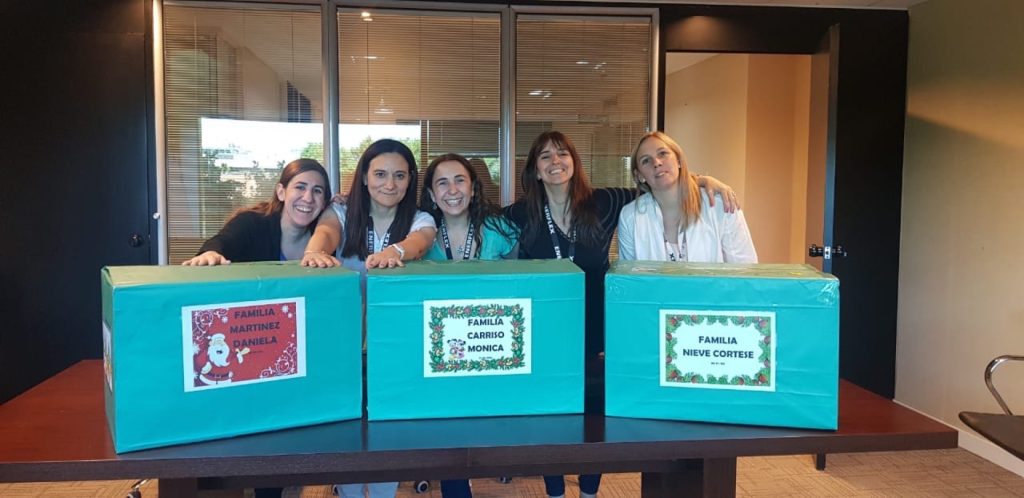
[
  {"x": 707, "y": 478},
  {"x": 185, "y": 488},
  {"x": 190, "y": 488},
  {"x": 819, "y": 461},
  {"x": 223, "y": 493}
]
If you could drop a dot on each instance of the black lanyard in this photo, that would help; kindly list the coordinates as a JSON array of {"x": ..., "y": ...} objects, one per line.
[
  {"x": 554, "y": 236},
  {"x": 467, "y": 251},
  {"x": 371, "y": 236}
]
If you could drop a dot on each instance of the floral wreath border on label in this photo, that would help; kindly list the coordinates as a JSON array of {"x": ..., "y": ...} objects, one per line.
[
  {"x": 439, "y": 313},
  {"x": 761, "y": 323}
]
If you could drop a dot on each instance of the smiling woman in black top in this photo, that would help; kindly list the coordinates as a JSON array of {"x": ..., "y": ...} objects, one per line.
[
  {"x": 561, "y": 216},
  {"x": 274, "y": 230}
]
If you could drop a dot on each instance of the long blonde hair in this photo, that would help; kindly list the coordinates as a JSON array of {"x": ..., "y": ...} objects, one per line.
[{"x": 691, "y": 203}]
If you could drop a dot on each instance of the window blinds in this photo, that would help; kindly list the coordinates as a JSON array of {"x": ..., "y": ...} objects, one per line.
[{"x": 243, "y": 97}]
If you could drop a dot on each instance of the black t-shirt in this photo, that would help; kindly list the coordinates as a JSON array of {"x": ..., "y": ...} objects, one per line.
[
  {"x": 592, "y": 259},
  {"x": 248, "y": 236}
]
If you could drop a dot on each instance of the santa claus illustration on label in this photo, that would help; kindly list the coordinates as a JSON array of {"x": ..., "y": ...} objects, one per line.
[{"x": 217, "y": 369}]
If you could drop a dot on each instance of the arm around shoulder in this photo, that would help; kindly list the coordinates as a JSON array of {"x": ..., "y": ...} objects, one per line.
[
  {"x": 626, "y": 232},
  {"x": 515, "y": 213},
  {"x": 713, "y": 186}
]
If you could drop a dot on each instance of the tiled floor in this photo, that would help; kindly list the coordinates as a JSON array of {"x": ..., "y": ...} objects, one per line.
[{"x": 932, "y": 474}]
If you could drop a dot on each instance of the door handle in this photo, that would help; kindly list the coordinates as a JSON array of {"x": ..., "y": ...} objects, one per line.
[
  {"x": 136, "y": 240},
  {"x": 826, "y": 252}
]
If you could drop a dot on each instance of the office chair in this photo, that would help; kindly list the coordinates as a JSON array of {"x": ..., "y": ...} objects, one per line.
[{"x": 1005, "y": 429}]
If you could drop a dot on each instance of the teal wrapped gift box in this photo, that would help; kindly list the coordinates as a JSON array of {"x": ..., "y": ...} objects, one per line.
[
  {"x": 727, "y": 343},
  {"x": 474, "y": 338},
  {"x": 197, "y": 353}
]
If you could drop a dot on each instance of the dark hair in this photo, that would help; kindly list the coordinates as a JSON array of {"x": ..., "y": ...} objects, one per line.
[
  {"x": 581, "y": 199},
  {"x": 290, "y": 171},
  {"x": 481, "y": 209},
  {"x": 358, "y": 210}
]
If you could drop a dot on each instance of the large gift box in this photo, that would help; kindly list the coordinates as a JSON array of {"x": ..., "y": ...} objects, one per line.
[
  {"x": 474, "y": 338},
  {"x": 729, "y": 343},
  {"x": 196, "y": 353}
]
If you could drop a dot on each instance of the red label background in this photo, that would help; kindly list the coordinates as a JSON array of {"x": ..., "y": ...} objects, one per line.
[{"x": 262, "y": 361}]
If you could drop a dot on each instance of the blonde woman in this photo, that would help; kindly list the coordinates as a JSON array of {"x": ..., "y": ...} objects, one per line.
[{"x": 674, "y": 220}]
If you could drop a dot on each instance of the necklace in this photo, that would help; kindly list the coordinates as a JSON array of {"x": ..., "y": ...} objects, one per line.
[{"x": 676, "y": 252}]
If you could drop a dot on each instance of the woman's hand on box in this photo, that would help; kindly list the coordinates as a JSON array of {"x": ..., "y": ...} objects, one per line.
[
  {"x": 387, "y": 258},
  {"x": 208, "y": 258},
  {"x": 319, "y": 259}
]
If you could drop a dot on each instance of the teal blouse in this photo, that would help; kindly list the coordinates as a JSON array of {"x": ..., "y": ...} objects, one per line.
[{"x": 493, "y": 245}]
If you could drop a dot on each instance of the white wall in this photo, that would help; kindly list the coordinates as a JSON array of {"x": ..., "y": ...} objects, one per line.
[
  {"x": 776, "y": 170},
  {"x": 706, "y": 112},
  {"x": 745, "y": 120},
  {"x": 961, "y": 270}
]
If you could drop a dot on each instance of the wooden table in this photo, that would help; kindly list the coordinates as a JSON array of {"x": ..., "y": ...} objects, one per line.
[{"x": 57, "y": 431}]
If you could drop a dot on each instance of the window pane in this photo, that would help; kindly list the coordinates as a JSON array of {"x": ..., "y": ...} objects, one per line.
[
  {"x": 435, "y": 74},
  {"x": 590, "y": 79},
  {"x": 243, "y": 97}
]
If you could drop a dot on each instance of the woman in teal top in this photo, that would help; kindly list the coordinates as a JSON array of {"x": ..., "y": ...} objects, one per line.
[{"x": 469, "y": 226}]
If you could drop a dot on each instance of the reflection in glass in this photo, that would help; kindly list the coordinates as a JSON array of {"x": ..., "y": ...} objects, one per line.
[{"x": 232, "y": 75}]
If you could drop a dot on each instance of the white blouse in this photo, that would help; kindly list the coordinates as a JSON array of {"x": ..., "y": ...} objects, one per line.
[
  {"x": 715, "y": 237},
  {"x": 420, "y": 221}
]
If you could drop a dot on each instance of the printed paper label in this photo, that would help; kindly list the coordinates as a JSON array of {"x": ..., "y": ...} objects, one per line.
[
  {"x": 718, "y": 349},
  {"x": 232, "y": 344},
  {"x": 476, "y": 337}
]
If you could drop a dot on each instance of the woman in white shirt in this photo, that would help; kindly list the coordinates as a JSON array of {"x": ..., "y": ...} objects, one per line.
[
  {"x": 379, "y": 227},
  {"x": 673, "y": 219}
]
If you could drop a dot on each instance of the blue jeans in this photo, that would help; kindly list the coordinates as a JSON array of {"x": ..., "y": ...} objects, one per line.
[
  {"x": 456, "y": 488},
  {"x": 555, "y": 485}
]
